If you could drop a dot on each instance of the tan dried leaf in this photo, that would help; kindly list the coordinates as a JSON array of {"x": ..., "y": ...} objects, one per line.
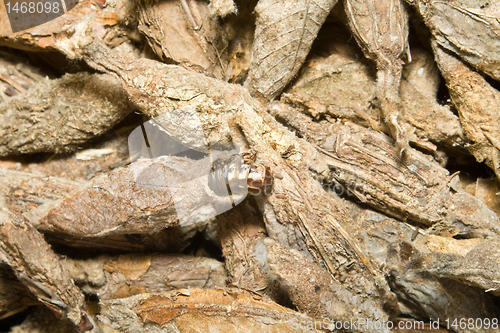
[
  {"x": 198, "y": 310},
  {"x": 469, "y": 28},
  {"x": 477, "y": 104},
  {"x": 285, "y": 31}
]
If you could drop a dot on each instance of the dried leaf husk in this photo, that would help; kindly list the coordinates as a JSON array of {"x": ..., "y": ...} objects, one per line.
[
  {"x": 41, "y": 320},
  {"x": 321, "y": 89},
  {"x": 402, "y": 251},
  {"x": 187, "y": 36},
  {"x": 34, "y": 263},
  {"x": 316, "y": 293},
  {"x": 112, "y": 203},
  {"x": 14, "y": 296},
  {"x": 52, "y": 118},
  {"x": 110, "y": 23},
  {"x": 381, "y": 29},
  {"x": 242, "y": 233},
  {"x": 477, "y": 104},
  {"x": 468, "y": 28},
  {"x": 284, "y": 34},
  {"x": 198, "y": 310},
  {"x": 111, "y": 277},
  {"x": 365, "y": 165}
]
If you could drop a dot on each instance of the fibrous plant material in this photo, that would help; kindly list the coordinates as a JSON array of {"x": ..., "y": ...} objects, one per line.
[
  {"x": 111, "y": 277},
  {"x": 319, "y": 295},
  {"x": 477, "y": 104},
  {"x": 24, "y": 249},
  {"x": 186, "y": 35},
  {"x": 199, "y": 310},
  {"x": 321, "y": 89},
  {"x": 284, "y": 34},
  {"x": 222, "y": 8},
  {"x": 468, "y": 28},
  {"x": 381, "y": 29},
  {"x": 365, "y": 165},
  {"x": 111, "y": 23},
  {"x": 52, "y": 118}
]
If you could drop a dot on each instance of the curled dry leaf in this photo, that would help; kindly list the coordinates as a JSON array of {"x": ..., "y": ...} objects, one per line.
[
  {"x": 477, "y": 104},
  {"x": 51, "y": 118},
  {"x": 110, "y": 23},
  {"x": 24, "y": 249},
  {"x": 321, "y": 89},
  {"x": 468, "y": 28},
  {"x": 381, "y": 29},
  {"x": 285, "y": 31},
  {"x": 316, "y": 293},
  {"x": 366, "y": 164},
  {"x": 185, "y": 35},
  {"x": 14, "y": 296},
  {"x": 41, "y": 320},
  {"x": 199, "y": 310},
  {"x": 127, "y": 275},
  {"x": 242, "y": 232}
]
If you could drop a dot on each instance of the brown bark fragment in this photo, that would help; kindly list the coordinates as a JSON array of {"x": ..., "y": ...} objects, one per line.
[{"x": 38, "y": 267}]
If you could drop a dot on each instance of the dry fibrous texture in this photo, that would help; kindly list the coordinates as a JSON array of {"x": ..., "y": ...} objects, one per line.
[
  {"x": 469, "y": 266},
  {"x": 112, "y": 203},
  {"x": 298, "y": 216},
  {"x": 242, "y": 233},
  {"x": 316, "y": 293},
  {"x": 468, "y": 28},
  {"x": 404, "y": 252},
  {"x": 198, "y": 310},
  {"x": 284, "y": 34},
  {"x": 185, "y": 34},
  {"x": 52, "y": 118},
  {"x": 477, "y": 104},
  {"x": 110, "y": 23},
  {"x": 35, "y": 195},
  {"x": 34, "y": 263},
  {"x": 321, "y": 89},
  {"x": 41, "y": 320},
  {"x": 366, "y": 164},
  {"x": 381, "y": 29},
  {"x": 14, "y": 296},
  {"x": 222, "y": 8},
  {"x": 111, "y": 277}
]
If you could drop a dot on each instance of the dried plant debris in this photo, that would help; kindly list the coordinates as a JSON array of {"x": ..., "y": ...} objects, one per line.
[
  {"x": 320, "y": 90},
  {"x": 403, "y": 252},
  {"x": 468, "y": 28},
  {"x": 321, "y": 296},
  {"x": 126, "y": 275},
  {"x": 14, "y": 296},
  {"x": 365, "y": 165},
  {"x": 42, "y": 320},
  {"x": 381, "y": 29},
  {"x": 52, "y": 118},
  {"x": 222, "y": 8},
  {"x": 24, "y": 249},
  {"x": 477, "y": 104},
  {"x": 284, "y": 34},
  {"x": 242, "y": 233},
  {"x": 113, "y": 23},
  {"x": 486, "y": 190},
  {"x": 184, "y": 34},
  {"x": 198, "y": 310}
]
